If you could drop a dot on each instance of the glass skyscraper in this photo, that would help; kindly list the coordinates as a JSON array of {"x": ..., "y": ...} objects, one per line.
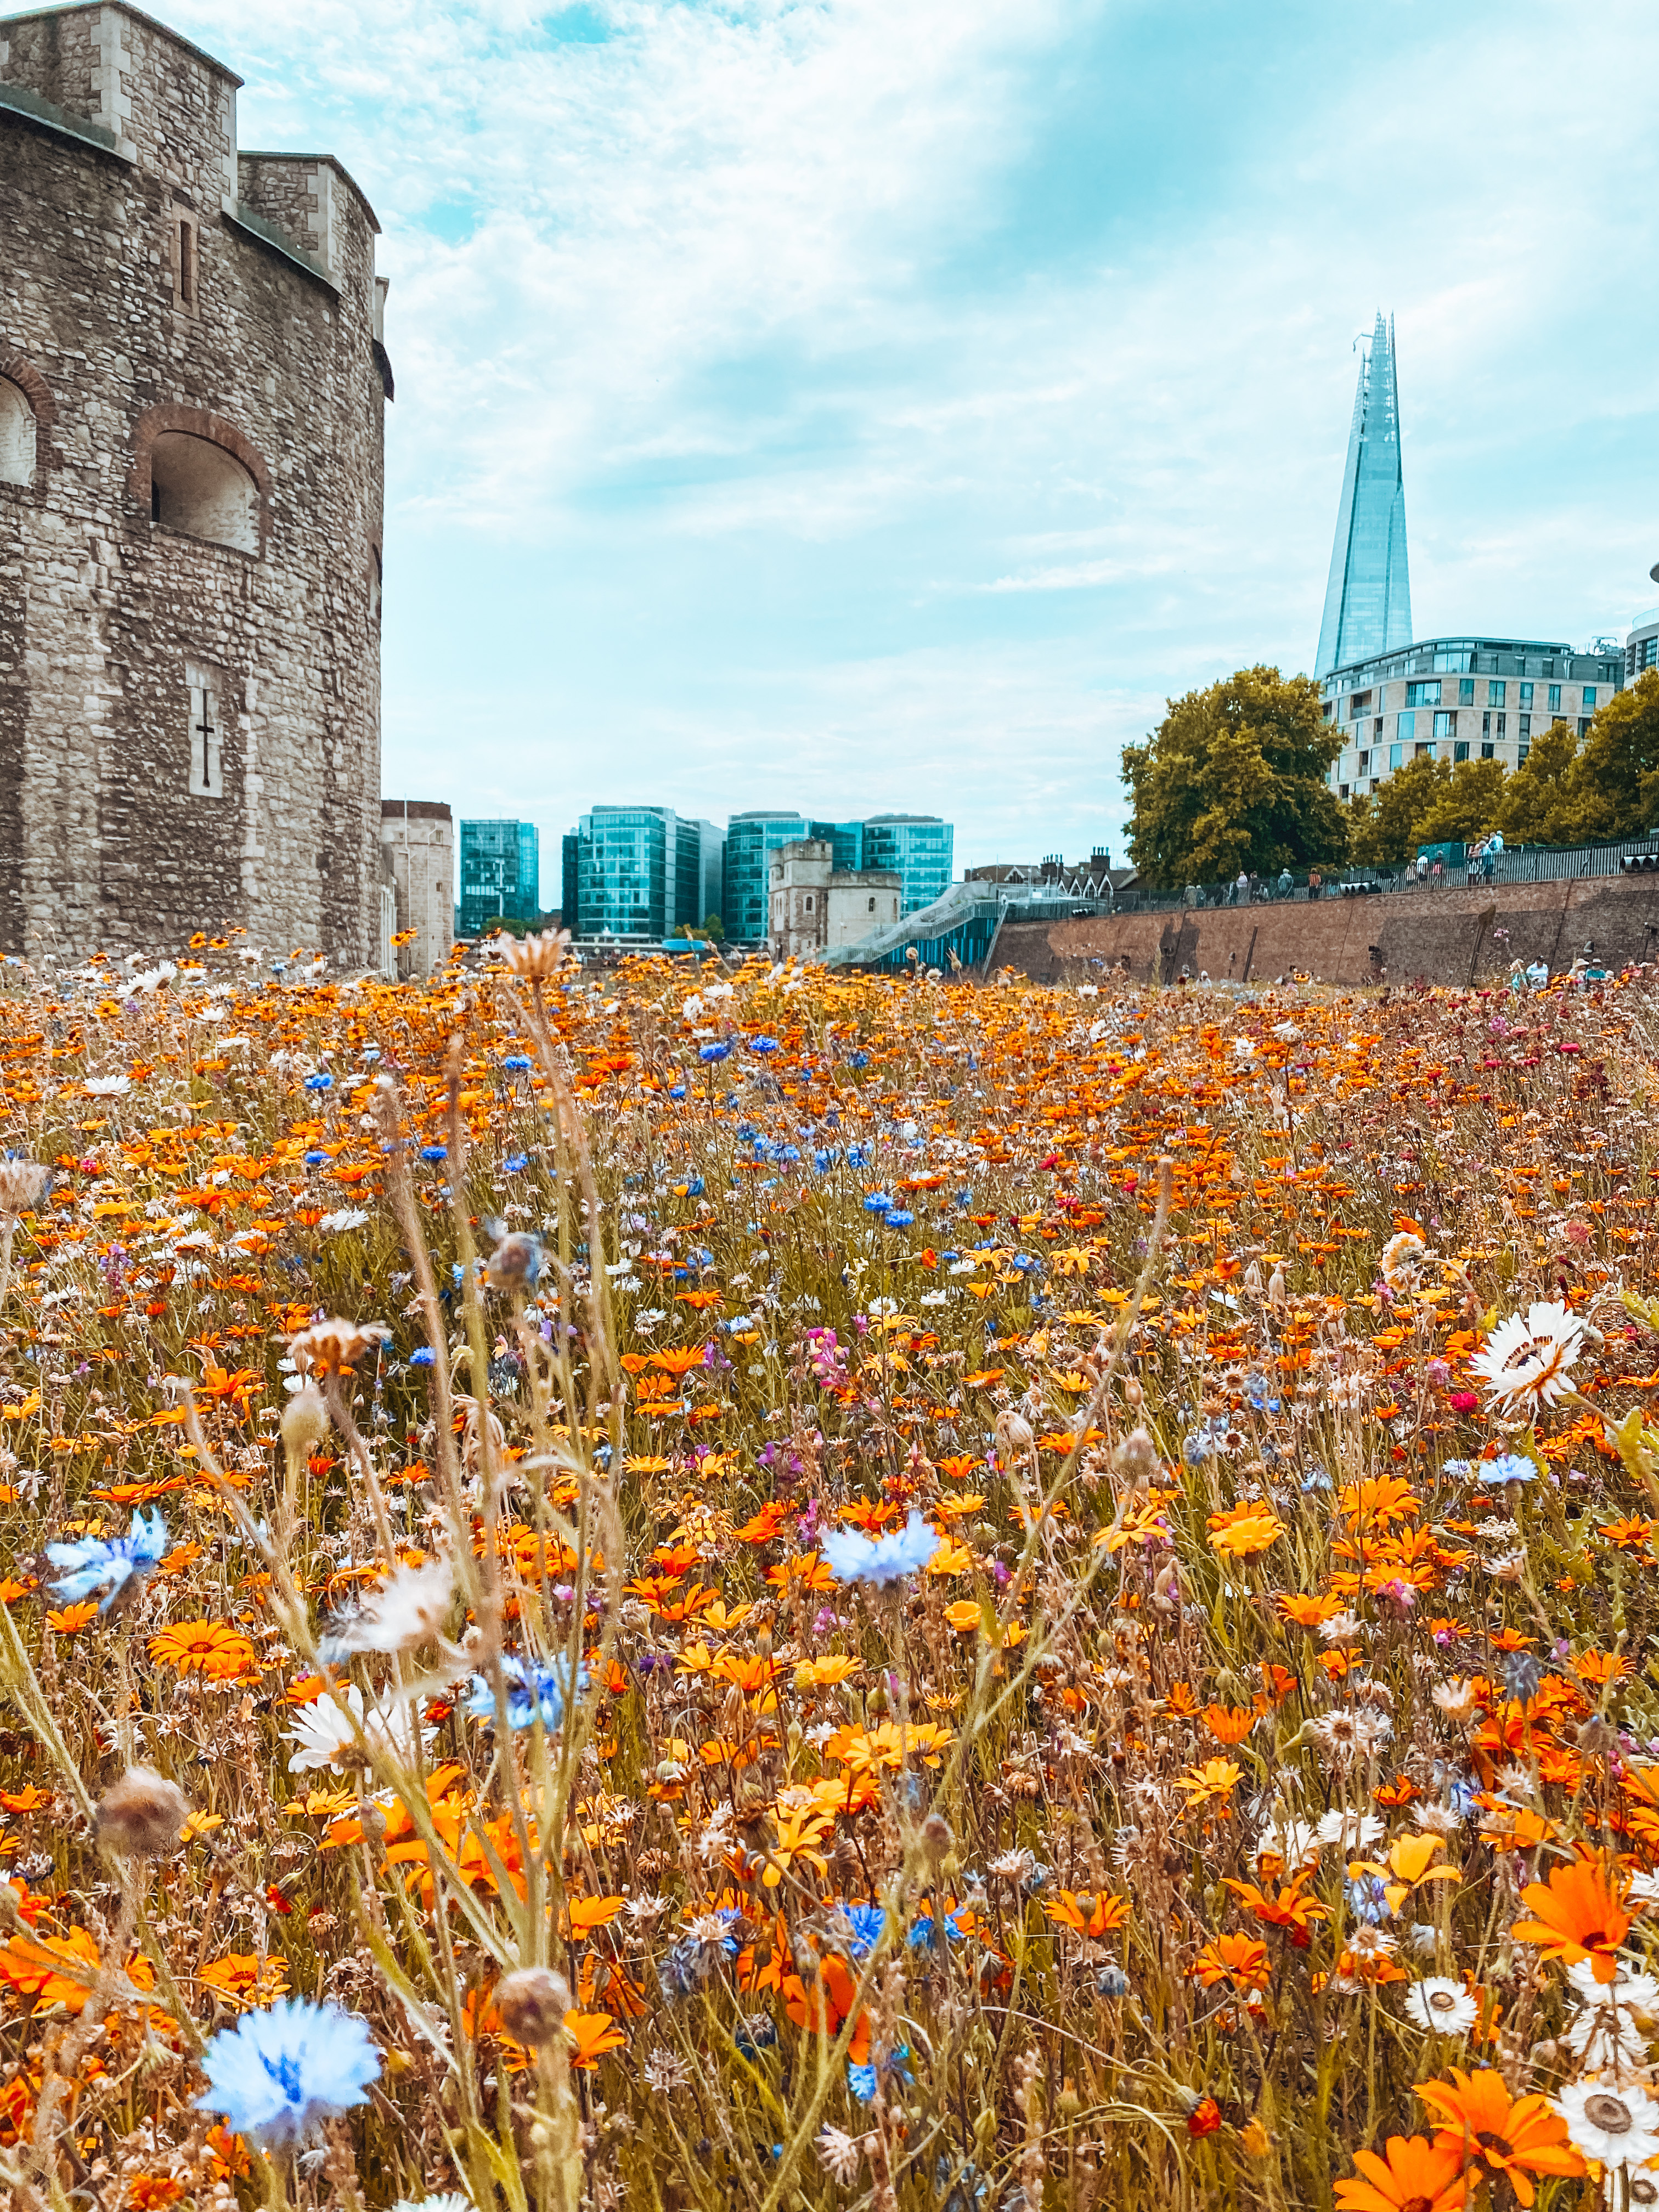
[
  {"x": 639, "y": 872},
  {"x": 917, "y": 849},
  {"x": 751, "y": 840},
  {"x": 1368, "y": 600},
  {"x": 501, "y": 875}
]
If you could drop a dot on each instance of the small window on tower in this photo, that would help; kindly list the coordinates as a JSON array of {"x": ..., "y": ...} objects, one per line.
[
  {"x": 207, "y": 778},
  {"x": 186, "y": 238}
]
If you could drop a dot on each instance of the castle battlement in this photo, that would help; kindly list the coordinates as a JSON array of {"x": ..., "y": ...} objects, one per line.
[{"x": 114, "y": 77}]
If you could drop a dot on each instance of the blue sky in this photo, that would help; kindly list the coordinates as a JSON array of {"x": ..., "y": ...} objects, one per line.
[{"x": 870, "y": 404}]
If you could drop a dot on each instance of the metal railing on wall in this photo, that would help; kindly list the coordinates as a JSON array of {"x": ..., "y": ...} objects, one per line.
[{"x": 1526, "y": 864}]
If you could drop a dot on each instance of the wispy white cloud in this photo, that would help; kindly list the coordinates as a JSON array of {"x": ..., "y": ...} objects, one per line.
[{"x": 817, "y": 395}]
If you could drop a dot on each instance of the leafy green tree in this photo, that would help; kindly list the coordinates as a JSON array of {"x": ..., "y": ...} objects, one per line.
[
  {"x": 713, "y": 928},
  {"x": 1466, "y": 807},
  {"x": 1613, "y": 788},
  {"x": 1536, "y": 803},
  {"x": 1388, "y": 832},
  {"x": 1235, "y": 777}
]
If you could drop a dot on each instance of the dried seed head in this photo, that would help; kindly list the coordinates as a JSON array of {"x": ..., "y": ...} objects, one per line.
[
  {"x": 142, "y": 1815},
  {"x": 23, "y": 1184},
  {"x": 936, "y": 1839},
  {"x": 516, "y": 1261},
  {"x": 536, "y": 958},
  {"x": 305, "y": 1421},
  {"x": 330, "y": 1347},
  {"x": 1137, "y": 1459},
  {"x": 532, "y": 2004}
]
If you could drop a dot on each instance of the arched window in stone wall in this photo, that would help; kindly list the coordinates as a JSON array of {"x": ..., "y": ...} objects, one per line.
[
  {"x": 17, "y": 434},
  {"x": 201, "y": 490}
]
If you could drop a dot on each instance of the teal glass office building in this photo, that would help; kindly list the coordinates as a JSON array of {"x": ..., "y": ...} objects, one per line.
[
  {"x": 639, "y": 872},
  {"x": 918, "y": 848},
  {"x": 501, "y": 875}
]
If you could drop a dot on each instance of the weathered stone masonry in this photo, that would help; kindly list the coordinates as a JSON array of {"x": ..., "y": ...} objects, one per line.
[{"x": 190, "y": 554}]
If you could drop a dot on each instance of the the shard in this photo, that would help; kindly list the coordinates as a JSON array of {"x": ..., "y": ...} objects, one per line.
[{"x": 1368, "y": 600}]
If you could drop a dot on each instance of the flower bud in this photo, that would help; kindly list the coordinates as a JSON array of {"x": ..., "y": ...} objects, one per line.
[
  {"x": 936, "y": 1839},
  {"x": 142, "y": 1816},
  {"x": 532, "y": 2004},
  {"x": 305, "y": 1422}
]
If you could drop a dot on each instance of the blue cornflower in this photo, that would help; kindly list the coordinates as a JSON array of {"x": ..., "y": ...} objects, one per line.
[
  {"x": 857, "y": 1155},
  {"x": 280, "y": 2072},
  {"x": 694, "y": 1186},
  {"x": 822, "y": 1159},
  {"x": 867, "y": 1922},
  {"x": 532, "y": 1687},
  {"x": 515, "y": 1163},
  {"x": 923, "y": 1933},
  {"x": 708, "y": 1054},
  {"x": 861, "y": 2080},
  {"x": 517, "y": 1062},
  {"x": 321, "y": 1081},
  {"x": 422, "y": 1355},
  {"x": 315, "y": 1159},
  {"x": 855, "y": 1559},
  {"x": 434, "y": 1152},
  {"x": 858, "y": 1060},
  {"x": 877, "y": 1201},
  {"x": 1508, "y": 1466},
  {"x": 1368, "y": 1900},
  {"x": 91, "y": 1564},
  {"x": 678, "y": 1092},
  {"x": 899, "y": 1217},
  {"x": 762, "y": 1044}
]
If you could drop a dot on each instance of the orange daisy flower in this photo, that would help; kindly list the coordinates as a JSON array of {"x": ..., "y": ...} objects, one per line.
[
  {"x": 1576, "y": 1918},
  {"x": 1416, "y": 2176},
  {"x": 1487, "y": 2128}
]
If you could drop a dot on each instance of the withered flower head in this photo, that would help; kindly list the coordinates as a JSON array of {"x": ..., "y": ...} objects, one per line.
[
  {"x": 532, "y": 2004},
  {"x": 23, "y": 1184},
  {"x": 142, "y": 1815},
  {"x": 332, "y": 1347},
  {"x": 535, "y": 957}
]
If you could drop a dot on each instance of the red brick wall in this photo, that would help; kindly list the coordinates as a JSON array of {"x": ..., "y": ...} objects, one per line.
[{"x": 1438, "y": 937}]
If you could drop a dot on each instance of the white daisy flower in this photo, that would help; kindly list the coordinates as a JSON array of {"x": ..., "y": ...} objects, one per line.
[
  {"x": 1524, "y": 1363},
  {"x": 325, "y": 1737},
  {"x": 1445, "y": 2007},
  {"x": 1616, "y": 2125},
  {"x": 1352, "y": 1831}
]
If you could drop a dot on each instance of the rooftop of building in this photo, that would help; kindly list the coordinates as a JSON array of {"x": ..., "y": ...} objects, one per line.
[
  {"x": 414, "y": 810},
  {"x": 1459, "y": 655}
]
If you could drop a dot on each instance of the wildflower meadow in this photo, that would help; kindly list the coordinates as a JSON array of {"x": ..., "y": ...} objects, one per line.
[{"x": 724, "y": 1586}]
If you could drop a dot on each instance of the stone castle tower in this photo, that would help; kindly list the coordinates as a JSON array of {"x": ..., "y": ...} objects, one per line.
[{"x": 192, "y": 393}]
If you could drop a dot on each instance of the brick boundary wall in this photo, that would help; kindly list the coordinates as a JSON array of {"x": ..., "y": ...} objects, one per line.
[{"x": 1448, "y": 937}]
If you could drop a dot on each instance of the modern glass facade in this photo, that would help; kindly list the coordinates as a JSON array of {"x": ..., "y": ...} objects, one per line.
[
  {"x": 638, "y": 872},
  {"x": 846, "y": 840},
  {"x": 1368, "y": 600},
  {"x": 501, "y": 875},
  {"x": 918, "y": 848},
  {"x": 624, "y": 871},
  {"x": 751, "y": 840}
]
